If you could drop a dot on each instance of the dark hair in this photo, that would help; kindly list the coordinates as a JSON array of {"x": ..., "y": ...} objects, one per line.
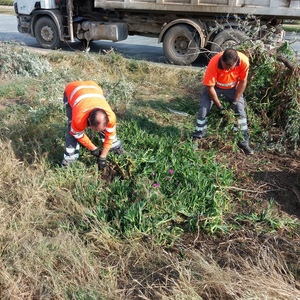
[
  {"x": 230, "y": 57},
  {"x": 93, "y": 121}
]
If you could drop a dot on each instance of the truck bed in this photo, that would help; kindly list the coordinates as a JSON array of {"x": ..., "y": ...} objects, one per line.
[{"x": 268, "y": 8}]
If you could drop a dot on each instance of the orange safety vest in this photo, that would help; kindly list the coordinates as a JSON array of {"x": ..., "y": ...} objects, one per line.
[
  {"x": 216, "y": 75},
  {"x": 84, "y": 96}
]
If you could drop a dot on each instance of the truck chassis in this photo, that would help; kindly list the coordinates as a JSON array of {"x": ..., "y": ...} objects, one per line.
[{"x": 185, "y": 27}]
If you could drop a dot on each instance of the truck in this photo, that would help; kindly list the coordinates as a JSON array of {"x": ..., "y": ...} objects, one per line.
[{"x": 186, "y": 28}]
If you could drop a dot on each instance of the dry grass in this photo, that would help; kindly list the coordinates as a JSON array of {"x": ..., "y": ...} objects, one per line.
[
  {"x": 43, "y": 258},
  {"x": 262, "y": 276}
]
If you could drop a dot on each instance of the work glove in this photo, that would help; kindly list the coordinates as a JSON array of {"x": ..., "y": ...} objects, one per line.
[
  {"x": 101, "y": 163},
  {"x": 222, "y": 111},
  {"x": 96, "y": 152}
]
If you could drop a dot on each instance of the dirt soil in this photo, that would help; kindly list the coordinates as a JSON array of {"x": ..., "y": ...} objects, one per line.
[
  {"x": 269, "y": 175},
  {"x": 262, "y": 178}
]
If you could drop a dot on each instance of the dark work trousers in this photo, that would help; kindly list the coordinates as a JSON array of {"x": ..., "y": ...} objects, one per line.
[
  {"x": 72, "y": 145},
  {"x": 237, "y": 106}
]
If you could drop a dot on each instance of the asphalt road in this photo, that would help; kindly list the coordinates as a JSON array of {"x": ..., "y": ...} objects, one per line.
[{"x": 135, "y": 47}]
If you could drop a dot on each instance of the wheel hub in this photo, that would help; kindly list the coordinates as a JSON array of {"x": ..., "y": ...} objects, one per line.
[
  {"x": 47, "y": 33},
  {"x": 181, "y": 45}
]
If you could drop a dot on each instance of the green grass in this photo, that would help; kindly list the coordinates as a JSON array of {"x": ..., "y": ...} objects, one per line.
[
  {"x": 7, "y": 2},
  {"x": 164, "y": 171},
  {"x": 161, "y": 222},
  {"x": 291, "y": 27}
]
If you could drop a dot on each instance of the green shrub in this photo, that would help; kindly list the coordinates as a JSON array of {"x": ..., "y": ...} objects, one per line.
[
  {"x": 272, "y": 94},
  {"x": 16, "y": 60}
]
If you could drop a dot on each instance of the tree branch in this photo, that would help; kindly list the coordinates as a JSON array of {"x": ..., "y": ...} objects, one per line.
[{"x": 287, "y": 62}]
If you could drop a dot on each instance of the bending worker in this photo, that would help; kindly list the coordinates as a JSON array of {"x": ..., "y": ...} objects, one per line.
[
  {"x": 226, "y": 75},
  {"x": 86, "y": 107}
]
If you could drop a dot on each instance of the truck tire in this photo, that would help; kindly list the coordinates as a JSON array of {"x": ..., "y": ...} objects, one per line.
[
  {"x": 181, "y": 45},
  {"x": 46, "y": 33},
  {"x": 227, "y": 39}
]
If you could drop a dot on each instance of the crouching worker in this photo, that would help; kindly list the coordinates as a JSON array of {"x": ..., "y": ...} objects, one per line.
[
  {"x": 226, "y": 75},
  {"x": 86, "y": 107}
]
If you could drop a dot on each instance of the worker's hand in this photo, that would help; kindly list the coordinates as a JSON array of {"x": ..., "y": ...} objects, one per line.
[
  {"x": 222, "y": 111},
  {"x": 101, "y": 163},
  {"x": 96, "y": 152}
]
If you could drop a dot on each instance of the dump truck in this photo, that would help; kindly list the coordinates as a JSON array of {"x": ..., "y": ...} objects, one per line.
[{"x": 186, "y": 28}]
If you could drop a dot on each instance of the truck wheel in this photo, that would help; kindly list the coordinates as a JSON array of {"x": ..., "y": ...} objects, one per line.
[
  {"x": 180, "y": 45},
  {"x": 46, "y": 33},
  {"x": 227, "y": 39}
]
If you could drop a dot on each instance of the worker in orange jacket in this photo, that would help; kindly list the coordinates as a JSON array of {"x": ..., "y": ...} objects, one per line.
[
  {"x": 86, "y": 106},
  {"x": 226, "y": 75}
]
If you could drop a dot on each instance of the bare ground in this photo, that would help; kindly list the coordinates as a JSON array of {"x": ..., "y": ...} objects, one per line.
[
  {"x": 262, "y": 178},
  {"x": 266, "y": 175}
]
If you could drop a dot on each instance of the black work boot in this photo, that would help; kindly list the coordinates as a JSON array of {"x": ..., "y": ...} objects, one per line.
[
  {"x": 65, "y": 163},
  {"x": 197, "y": 135},
  {"x": 246, "y": 148}
]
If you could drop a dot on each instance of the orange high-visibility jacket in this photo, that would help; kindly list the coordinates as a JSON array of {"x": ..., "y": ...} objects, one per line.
[
  {"x": 84, "y": 96},
  {"x": 215, "y": 75}
]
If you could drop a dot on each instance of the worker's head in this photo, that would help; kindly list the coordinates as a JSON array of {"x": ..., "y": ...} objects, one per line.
[
  {"x": 98, "y": 119},
  {"x": 229, "y": 58}
]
